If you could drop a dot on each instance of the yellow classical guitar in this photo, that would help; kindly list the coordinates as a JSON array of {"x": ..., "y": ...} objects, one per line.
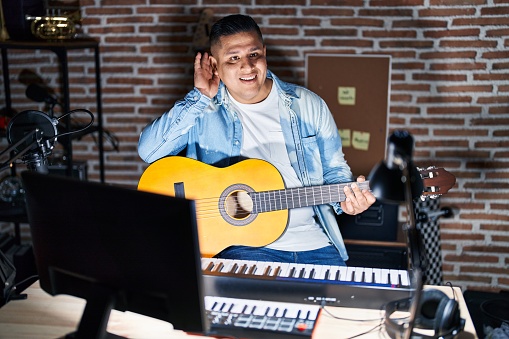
[{"x": 243, "y": 204}]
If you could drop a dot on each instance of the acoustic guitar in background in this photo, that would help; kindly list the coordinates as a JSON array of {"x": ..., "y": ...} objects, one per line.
[
  {"x": 201, "y": 35},
  {"x": 247, "y": 203}
]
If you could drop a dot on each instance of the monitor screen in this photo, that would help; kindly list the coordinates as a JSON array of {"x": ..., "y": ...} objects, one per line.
[{"x": 116, "y": 248}]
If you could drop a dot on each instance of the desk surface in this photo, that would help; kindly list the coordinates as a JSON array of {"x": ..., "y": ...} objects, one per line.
[{"x": 43, "y": 316}]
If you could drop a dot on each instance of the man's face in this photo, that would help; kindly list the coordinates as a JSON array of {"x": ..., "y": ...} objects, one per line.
[{"x": 242, "y": 66}]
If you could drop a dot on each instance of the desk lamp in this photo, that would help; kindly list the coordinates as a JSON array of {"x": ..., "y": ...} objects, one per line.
[{"x": 397, "y": 180}]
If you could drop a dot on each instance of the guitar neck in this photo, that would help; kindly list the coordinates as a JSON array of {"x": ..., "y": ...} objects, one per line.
[{"x": 300, "y": 197}]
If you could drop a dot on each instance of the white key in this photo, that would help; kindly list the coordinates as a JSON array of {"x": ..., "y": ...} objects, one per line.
[
  {"x": 227, "y": 266},
  {"x": 280, "y": 312},
  {"x": 394, "y": 276},
  {"x": 384, "y": 275},
  {"x": 405, "y": 279},
  {"x": 260, "y": 310},
  {"x": 350, "y": 271},
  {"x": 291, "y": 312},
  {"x": 293, "y": 270},
  {"x": 284, "y": 269},
  {"x": 368, "y": 275},
  {"x": 301, "y": 270},
  {"x": 320, "y": 271},
  {"x": 377, "y": 275},
  {"x": 308, "y": 271},
  {"x": 237, "y": 307},
  {"x": 358, "y": 274},
  {"x": 248, "y": 309},
  {"x": 249, "y": 266},
  {"x": 333, "y": 272},
  {"x": 343, "y": 273}
]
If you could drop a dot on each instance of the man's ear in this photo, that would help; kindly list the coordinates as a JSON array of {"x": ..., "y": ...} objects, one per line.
[{"x": 213, "y": 63}]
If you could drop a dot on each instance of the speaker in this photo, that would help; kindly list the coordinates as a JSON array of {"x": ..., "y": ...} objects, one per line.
[
  {"x": 436, "y": 312},
  {"x": 79, "y": 170},
  {"x": 14, "y": 15},
  {"x": 378, "y": 223}
]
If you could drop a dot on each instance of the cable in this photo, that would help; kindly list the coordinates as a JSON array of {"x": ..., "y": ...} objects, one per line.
[
  {"x": 81, "y": 129},
  {"x": 348, "y": 319},
  {"x": 13, "y": 288},
  {"x": 378, "y": 326}
]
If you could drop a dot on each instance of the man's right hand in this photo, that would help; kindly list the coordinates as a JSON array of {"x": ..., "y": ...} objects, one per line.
[{"x": 206, "y": 78}]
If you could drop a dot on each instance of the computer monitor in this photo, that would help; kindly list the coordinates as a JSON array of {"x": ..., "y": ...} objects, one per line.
[{"x": 117, "y": 248}]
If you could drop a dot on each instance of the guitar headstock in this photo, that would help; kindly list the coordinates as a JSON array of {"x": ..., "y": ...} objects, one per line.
[
  {"x": 436, "y": 181},
  {"x": 201, "y": 35}
]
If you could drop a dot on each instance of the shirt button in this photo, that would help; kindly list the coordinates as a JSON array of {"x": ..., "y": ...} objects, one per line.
[{"x": 236, "y": 142}]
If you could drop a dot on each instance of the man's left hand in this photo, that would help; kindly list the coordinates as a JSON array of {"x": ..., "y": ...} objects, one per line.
[{"x": 357, "y": 201}]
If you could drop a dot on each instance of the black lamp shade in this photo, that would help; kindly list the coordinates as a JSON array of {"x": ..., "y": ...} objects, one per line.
[{"x": 388, "y": 184}]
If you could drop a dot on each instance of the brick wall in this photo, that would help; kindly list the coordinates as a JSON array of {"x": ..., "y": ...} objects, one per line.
[{"x": 450, "y": 89}]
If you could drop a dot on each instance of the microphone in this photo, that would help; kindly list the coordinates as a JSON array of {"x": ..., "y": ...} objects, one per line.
[
  {"x": 40, "y": 93},
  {"x": 33, "y": 135}
]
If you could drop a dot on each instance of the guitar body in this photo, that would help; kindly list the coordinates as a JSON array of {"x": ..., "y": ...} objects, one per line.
[{"x": 215, "y": 190}]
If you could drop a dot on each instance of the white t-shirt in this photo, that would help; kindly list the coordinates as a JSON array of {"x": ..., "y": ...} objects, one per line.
[{"x": 263, "y": 139}]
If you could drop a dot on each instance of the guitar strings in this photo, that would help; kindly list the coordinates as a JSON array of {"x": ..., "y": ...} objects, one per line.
[{"x": 209, "y": 207}]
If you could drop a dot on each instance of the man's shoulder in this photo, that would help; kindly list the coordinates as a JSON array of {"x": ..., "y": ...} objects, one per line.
[{"x": 294, "y": 90}]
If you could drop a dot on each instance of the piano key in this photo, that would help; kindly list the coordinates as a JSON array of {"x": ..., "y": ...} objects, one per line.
[
  {"x": 292, "y": 312},
  {"x": 350, "y": 273},
  {"x": 237, "y": 307},
  {"x": 384, "y": 275},
  {"x": 320, "y": 272},
  {"x": 368, "y": 274},
  {"x": 342, "y": 274},
  {"x": 358, "y": 274},
  {"x": 303, "y": 314},
  {"x": 405, "y": 279},
  {"x": 260, "y": 309},
  {"x": 301, "y": 270},
  {"x": 260, "y": 268},
  {"x": 394, "y": 277},
  {"x": 284, "y": 269},
  {"x": 377, "y": 275},
  {"x": 248, "y": 309},
  {"x": 280, "y": 311},
  {"x": 333, "y": 273},
  {"x": 308, "y": 271}
]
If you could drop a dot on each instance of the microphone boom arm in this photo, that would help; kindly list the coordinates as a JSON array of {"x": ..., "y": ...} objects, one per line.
[{"x": 37, "y": 140}]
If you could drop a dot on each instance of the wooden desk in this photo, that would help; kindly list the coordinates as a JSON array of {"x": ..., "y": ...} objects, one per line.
[{"x": 43, "y": 316}]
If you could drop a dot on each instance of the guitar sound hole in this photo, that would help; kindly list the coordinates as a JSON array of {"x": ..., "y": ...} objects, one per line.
[
  {"x": 236, "y": 205},
  {"x": 239, "y": 205}
]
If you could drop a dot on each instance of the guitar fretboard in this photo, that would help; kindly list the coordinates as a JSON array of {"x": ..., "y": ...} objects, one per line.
[{"x": 300, "y": 197}]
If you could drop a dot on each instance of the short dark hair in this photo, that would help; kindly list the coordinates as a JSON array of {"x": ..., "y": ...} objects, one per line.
[{"x": 233, "y": 24}]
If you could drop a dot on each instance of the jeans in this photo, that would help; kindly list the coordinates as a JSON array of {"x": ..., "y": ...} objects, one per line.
[{"x": 328, "y": 255}]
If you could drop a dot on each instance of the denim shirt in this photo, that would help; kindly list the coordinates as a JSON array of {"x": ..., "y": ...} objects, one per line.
[{"x": 211, "y": 132}]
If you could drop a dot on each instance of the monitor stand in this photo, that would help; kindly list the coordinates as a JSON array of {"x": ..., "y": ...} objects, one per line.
[{"x": 94, "y": 320}]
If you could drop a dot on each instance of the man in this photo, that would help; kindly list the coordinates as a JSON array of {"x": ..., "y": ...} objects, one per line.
[{"x": 238, "y": 109}]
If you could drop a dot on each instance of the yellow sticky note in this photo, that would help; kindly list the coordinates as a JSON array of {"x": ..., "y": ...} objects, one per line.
[
  {"x": 346, "y": 95},
  {"x": 360, "y": 140},
  {"x": 345, "y": 135}
]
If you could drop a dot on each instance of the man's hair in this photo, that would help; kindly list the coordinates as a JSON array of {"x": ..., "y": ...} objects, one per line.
[{"x": 233, "y": 24}]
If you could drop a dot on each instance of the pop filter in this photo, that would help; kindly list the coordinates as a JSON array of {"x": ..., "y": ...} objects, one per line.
[{"x": 26, "y": 122}]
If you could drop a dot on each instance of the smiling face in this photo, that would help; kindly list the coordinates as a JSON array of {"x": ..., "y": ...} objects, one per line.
[{"x": 242, "y": 66}]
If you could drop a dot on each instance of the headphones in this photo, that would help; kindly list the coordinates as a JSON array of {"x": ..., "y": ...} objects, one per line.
[{"x": 436, "y": 311}]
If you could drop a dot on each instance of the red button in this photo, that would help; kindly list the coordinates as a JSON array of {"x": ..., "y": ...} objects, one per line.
[{"x": 302, "y": 327}]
